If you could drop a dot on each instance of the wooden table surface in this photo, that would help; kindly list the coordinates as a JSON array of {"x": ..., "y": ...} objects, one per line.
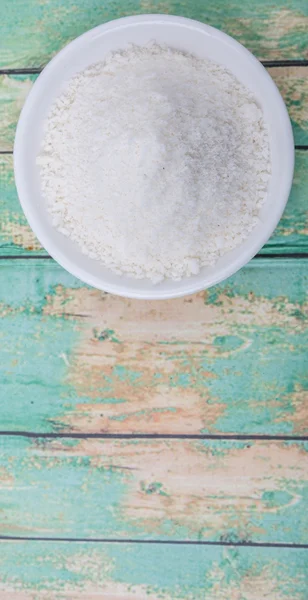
[{"x": 153, "y": 449}]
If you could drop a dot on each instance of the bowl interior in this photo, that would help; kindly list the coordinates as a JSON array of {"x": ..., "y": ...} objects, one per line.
[{"x": 183, "y": 34}]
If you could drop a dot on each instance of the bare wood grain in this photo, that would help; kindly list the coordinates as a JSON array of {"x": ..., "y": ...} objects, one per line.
[
  {"x": 153, "y": 489},
  {"x": 292, "y": 83},
  {"x": 67, "y": 571},
  {"x": 229, "y": 360}
]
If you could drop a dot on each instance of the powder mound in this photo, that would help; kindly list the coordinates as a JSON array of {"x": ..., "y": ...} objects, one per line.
[{"x": 155, "y": 162}]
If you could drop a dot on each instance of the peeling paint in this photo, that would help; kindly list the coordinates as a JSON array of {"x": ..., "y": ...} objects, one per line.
[
  {"x": 67, "y": 571},
  {"x": 293, "y": 86},
  {"x": 106, "y": 364},
  {"x": 176, "y": 489}
]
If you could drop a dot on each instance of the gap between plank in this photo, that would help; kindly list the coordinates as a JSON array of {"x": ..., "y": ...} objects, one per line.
[
  {"x": 301, "y": 147},
  {"x": 296, "y": 147},
  {"x": 285, "y": 255},
  {"x": 265, "y": 63},
  {"x": 165, "y": 542},
  {"x": 156, "y": 436},
  {"x": 285, "y": 63}
]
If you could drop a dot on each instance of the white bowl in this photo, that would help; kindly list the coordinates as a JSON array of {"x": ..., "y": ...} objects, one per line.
[{"x": 183, "y": 34}]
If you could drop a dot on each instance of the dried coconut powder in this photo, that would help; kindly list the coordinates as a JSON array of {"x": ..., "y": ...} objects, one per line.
[{"x": 155, "y": 162}]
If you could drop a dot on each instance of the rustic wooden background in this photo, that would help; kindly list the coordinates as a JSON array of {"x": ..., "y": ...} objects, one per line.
[{"x": 153, "y": 449}]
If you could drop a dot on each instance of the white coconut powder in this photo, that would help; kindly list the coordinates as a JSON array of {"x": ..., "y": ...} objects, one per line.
[{"x": 155, "y": 162}]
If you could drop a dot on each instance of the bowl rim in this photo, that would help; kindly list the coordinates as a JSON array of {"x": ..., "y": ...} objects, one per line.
[{"x": 189, "y": 285}]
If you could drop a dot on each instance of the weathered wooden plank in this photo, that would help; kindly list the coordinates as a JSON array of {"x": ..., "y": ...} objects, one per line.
[
  {"x": 228, "y": 360},
  {"x": 32, "y": 31},
  {"x": 292, "y": 82},
  {"x": 16, "y": 237},
  {"x": 291, "y": 234},
  {"x": 293, "y": 85},
  {"x": 13, "y": 92},
  {"x": 154, "y": 489},
  {"x": 63, "y": 571}
]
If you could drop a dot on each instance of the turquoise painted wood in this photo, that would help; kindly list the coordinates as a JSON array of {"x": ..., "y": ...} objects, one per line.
[
  {"x": 230, "y": 361},
  {"x": 74, "y": 359},
  {"x": 226, "y": 491},
  {"x": 83, "y": 571},
  {"x": 291, "y": 233},
  {"x": 16, "y": 237},
  {"x": 293, "y": 85},
  {"x": 33, "y": 31}
]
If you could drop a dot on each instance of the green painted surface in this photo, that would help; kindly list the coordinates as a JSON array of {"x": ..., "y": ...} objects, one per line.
[
  {"x": 291, "y": 232},
  {"x": 152, "y": 489},
  {"x": 33, "y": 31},
  {"x": 13, "y": 92},
  {"x": 236, "y": 366},
  {"x": 64, "y": 570},
  {"x": 293, "y": 86},
  {"x": 16, "y": 236}
]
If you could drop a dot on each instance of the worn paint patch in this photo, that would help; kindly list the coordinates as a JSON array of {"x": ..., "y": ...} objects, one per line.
[
  {"x": 299, "y": 401},
  {"x": 16, "y": 237},
  {"x": 283, "y": 28},
  {"x": 13, "y": 92},
  {"x": 20, "y": 235},
  {"x": 255, "y": 585},
  {"x": 292, "y": 24},
  {"x": 293, "y": 86},
  {"x": 227, "y": 491},
  {"x": 209, "y": 311},
  {"x": 214, "y": 490},
  {"x": 180, "y": 381},
  {"x": 37, "y": 30},
  {"x": 162, "y": 410},
  {"x": 32, "y": 570},
  {"x": 80, "y": 360}
]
